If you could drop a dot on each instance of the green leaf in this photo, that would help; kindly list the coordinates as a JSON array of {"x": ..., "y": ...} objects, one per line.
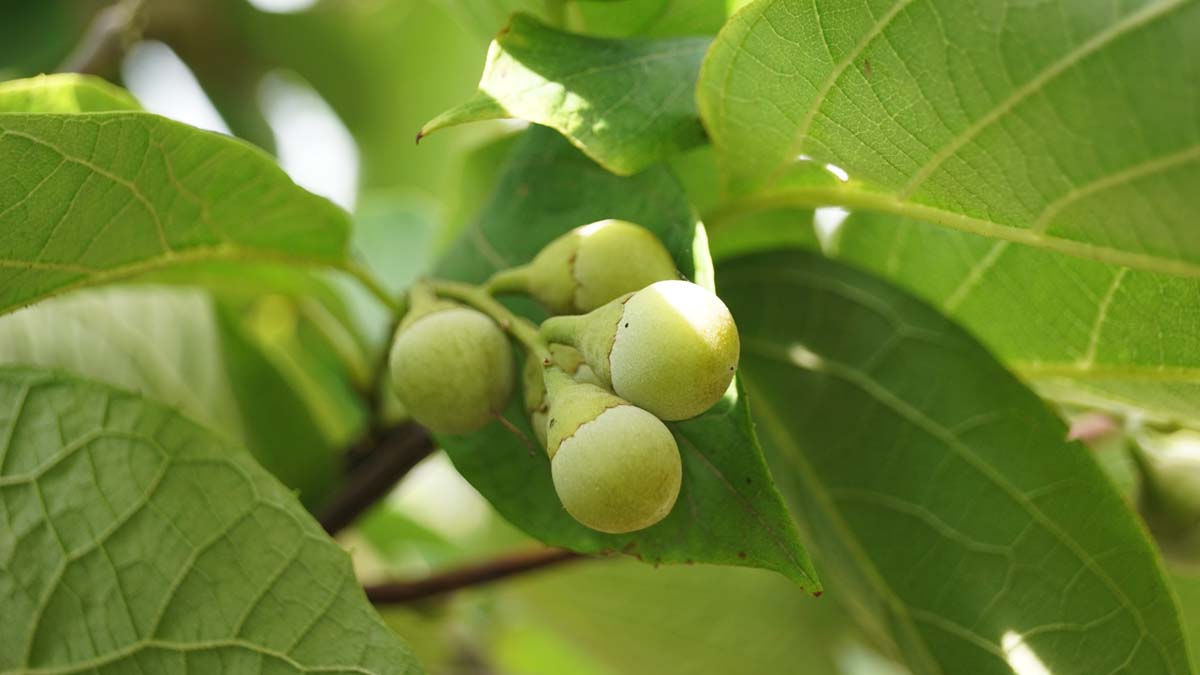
[
  {"x": 90, "y": 199},
  {"x": 1032, "y": 123},
  {"x": 1090, "y": 333},
  {"x": 626, "y": 103},
  {"x": 181, "y": 347},
  {"x": 654, "y": 18},
  {"x": 728, "y": 510},
  {"x": 133, "y": 540},
  {"x": 537, "y": 198},
  {"x": 694, "y": 620},
  {"x": 941, "y": 493},
  {"x": 64, "y": 93}
]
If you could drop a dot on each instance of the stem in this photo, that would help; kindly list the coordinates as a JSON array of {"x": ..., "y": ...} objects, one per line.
[
  {"x": 561, "y": 329},
  {"x": 519, "y": 327},
  {"x": 386, "y": 461},
  {"x": 512, "y": 280},
  {"x": 376, "y": 288},
  {"x": 110, "y": 32},
  {"x": 465, "y": 577}
]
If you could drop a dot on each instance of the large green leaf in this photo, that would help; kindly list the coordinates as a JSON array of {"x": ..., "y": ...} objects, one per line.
[
  {"x": 626, "y": 103},
  {"x": 89, "y": 199},
  {"x": 64, "y": 93},
  {"x": 653, "y": 17},
  {"x": 135, "y": 541},
  {"x": 1069, "y": 126},
  {"x": 1088, "y": 333},
  {"x": 728, "y": 510},
  {"x": 942, "y": 496},
  {"x": 181, "y": 347}
]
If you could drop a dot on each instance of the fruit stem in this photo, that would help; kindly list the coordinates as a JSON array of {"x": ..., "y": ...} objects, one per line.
[
  {"x": 561, "y": 329},
  {"x": 556, "y": 380},
  {"x": 512, "y": 280},
  {"x": 476, "y": 296}
]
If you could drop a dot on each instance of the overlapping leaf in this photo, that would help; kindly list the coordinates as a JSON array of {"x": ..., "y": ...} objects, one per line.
[
  {"x": 626, "y": 103},
  {"x": 1069, "y": 126},
  {"x": 1083, "y": 331},
  {"x": 134, "y": 541},
  {"x": 89, "y": 199},
  {"x": 939, "y": 492},
  {"x": 198, "y": 355},
  {"x": 728, "y": 510}
]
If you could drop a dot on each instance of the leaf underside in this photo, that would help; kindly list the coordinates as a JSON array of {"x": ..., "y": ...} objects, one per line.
[
  {"x": 946, "y": 507},
  {"x": 132, "y": 540}
]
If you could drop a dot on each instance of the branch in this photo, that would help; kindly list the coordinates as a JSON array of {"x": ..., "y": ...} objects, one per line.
[
  {"x": 386, "y": 458},
  {"x": 400, "y": 592},
  {"x": 111, "y": 31}
]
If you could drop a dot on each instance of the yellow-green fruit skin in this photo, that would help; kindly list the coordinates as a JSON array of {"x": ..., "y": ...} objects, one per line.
[
  {"x": 452, "y": 369},
  {"x": 675, "y": 350},
  {"x": 619, "y": 472},
  {"x": 616, "y": 257},
  {"x": 593, "y": 264}
]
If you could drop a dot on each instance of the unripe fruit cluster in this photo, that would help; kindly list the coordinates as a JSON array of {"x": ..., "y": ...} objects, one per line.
[{"x": 597, "y": 385}]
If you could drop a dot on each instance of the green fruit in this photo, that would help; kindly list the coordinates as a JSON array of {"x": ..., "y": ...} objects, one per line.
[
  {"x": 451, "y": 367},
  {"x": 534, "y": 390},
  {"x": 616, "y": 467},
  {"x": 589, "y": 266},
  {"x": 572, "y": 363},
  {"x": 671, "y": 348},
  {"x": 1169, "y": 497}
]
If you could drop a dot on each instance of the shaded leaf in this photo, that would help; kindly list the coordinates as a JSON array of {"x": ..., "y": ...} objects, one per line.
[
  {"x": 728, "y": 510},
  {"x": 626, "y": 103},
  {"x": 946, "y": 505},
  {"x": 90, "y": 199},
  {"x": 654, "y": 18},
  {"x": 1033, "y": 123},
  {"x": 181, "y": 347},
  {"x": 1090, "y": 333},
  {"x": 685, "y": 620},
  {"x": 134, "y": 540}
]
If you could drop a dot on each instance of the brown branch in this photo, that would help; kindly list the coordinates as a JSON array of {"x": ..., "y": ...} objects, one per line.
[
  {"x": 386, "y": 457},
  {"x": 107, "y": 37},
  {"x": 399, "y": 592}
]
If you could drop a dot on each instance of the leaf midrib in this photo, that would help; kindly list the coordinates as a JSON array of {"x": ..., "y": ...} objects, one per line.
[{"x": 856, "y": 196}]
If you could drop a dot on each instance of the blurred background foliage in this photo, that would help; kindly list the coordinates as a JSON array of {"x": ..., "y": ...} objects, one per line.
[{"x": 337, "y": 89}]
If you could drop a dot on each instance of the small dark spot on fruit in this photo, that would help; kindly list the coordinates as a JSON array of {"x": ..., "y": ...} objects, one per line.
[
  {"x": 551, "y": 422},
  {"x": 627, "y": 324},
  {"x": 547, "y": 362}
]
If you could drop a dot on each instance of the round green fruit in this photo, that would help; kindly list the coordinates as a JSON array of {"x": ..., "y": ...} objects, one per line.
[
  {"x": 616, "y": 468},
  {"x": 452, "y": 368},
  {"x": 589, "y": 266},
  {"x": 671, "y": 348}
]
